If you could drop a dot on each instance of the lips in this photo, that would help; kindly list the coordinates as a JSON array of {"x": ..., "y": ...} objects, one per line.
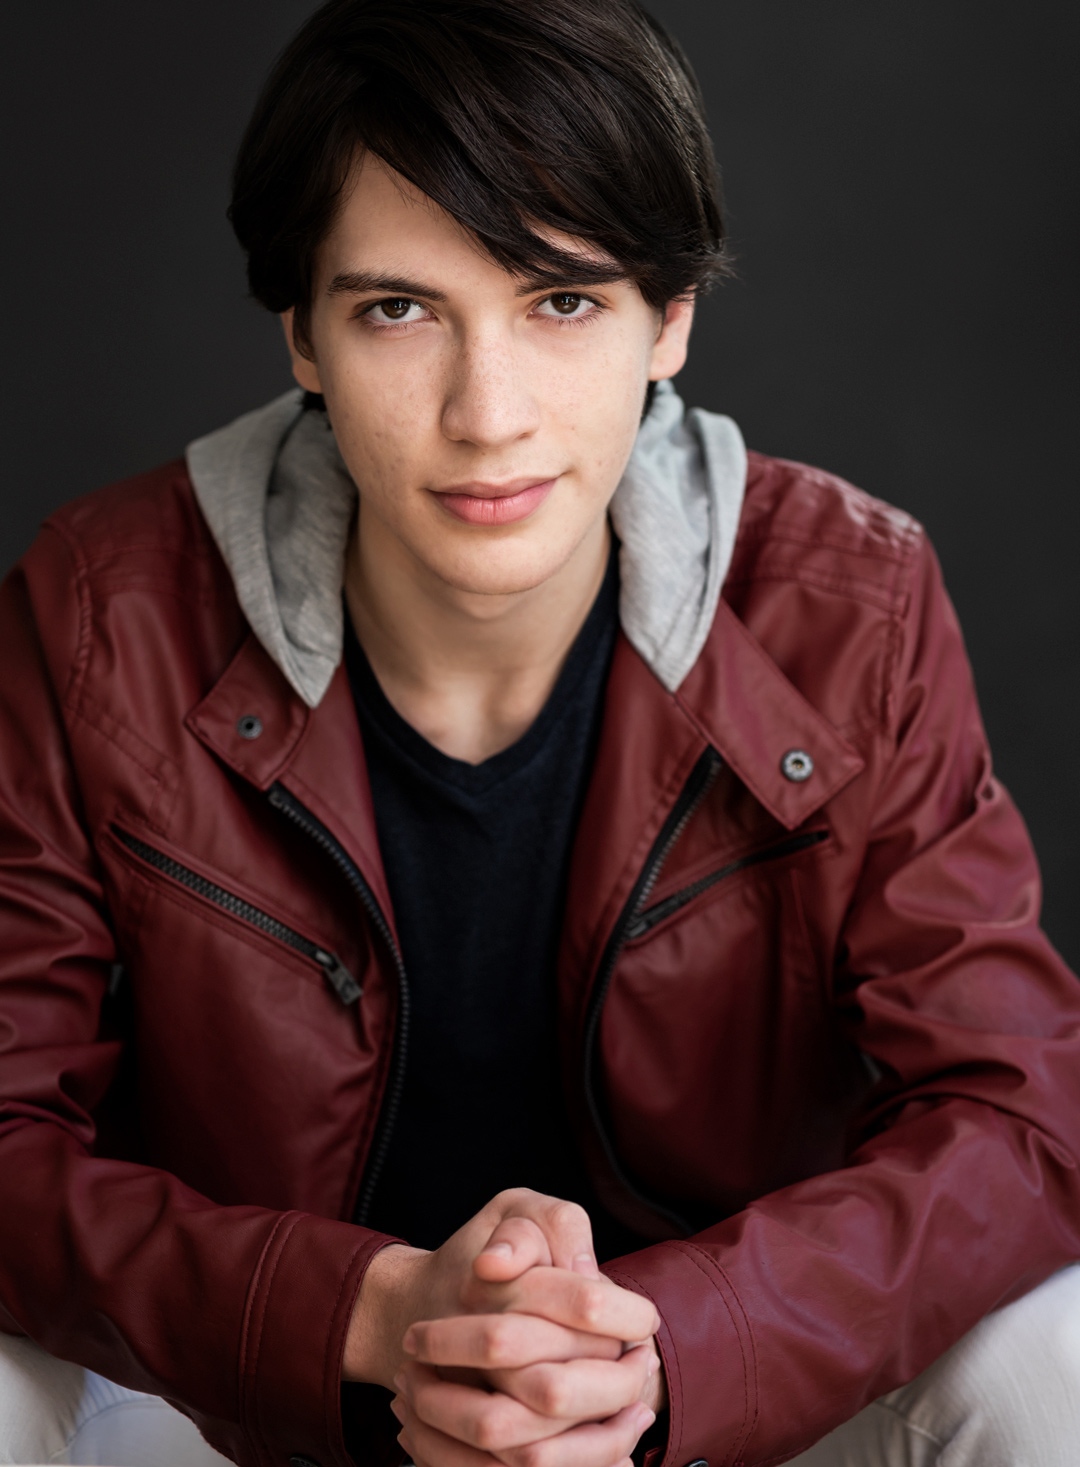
[{"x": 495, "y": 504}]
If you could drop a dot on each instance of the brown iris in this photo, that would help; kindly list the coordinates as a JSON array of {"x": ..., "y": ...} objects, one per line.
[{"x": 397, "y": 308}]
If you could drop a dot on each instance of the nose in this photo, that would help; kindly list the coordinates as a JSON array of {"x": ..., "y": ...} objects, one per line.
[{"x": 489, "y": 397}]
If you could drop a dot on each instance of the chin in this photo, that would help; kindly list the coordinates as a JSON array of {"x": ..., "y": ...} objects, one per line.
[{"x": 501, "y": 570}]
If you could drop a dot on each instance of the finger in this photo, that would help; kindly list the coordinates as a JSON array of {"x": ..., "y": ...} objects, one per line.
[
  {"x": 565, "y": 1226},
  {"x": 517, "y": 1243},
  {"x": 502, "y": 1341},
  {"x": 594, "y": 1306},
  {"x": 596, "y": 1444},
  {"x": 487, "y": 1420},
  {"x": 430, "y": 1448},
  {"x": 582, "y": 1390}
]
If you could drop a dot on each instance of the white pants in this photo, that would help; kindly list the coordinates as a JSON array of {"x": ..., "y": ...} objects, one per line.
[
  {"x": 52, "y": 1411},
  {"x": 1007, "y": 1395}
]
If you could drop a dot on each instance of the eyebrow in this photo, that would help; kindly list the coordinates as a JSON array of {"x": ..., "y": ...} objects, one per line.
[
  {"x": 601, "y": 276},
  {"x": 358, "y": 282},
  {"x": 361, "y": 282}
]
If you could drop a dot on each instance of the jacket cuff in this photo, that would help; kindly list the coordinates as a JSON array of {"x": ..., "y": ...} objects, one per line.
[
  {"x": 299, "y": 1307},
  {"x": 707, "y": 1351}
]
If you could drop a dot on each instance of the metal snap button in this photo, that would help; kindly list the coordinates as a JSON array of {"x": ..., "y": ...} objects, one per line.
[
  {"x": 249, "y": 727},
  {"x": 796, "y": 765}
]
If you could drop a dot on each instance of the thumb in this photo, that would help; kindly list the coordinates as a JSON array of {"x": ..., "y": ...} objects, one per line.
[
  {"x": 537, "y": 1229},
  {"x": 516, "y": 1245}
]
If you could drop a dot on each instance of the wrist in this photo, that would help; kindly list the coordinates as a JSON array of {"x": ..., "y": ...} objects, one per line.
[{"x": 384, "y": 1309}]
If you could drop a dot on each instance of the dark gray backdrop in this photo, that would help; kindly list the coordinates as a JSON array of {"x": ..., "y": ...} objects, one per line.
[{"x": 901, "y": 195}]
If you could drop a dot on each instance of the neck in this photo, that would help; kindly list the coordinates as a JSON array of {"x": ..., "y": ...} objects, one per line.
[{"x": 469, "y": 672}]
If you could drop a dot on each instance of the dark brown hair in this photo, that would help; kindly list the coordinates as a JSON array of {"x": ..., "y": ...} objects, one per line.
[{"x": 580, "y": 115}]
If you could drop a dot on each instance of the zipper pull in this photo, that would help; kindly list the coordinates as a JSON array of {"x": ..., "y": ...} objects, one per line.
[{"x": 338, "y": 976}]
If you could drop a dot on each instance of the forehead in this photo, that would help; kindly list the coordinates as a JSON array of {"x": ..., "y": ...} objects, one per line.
[
  {"x": 380, "y": 208},
  {"x": 387, "y": 224}
]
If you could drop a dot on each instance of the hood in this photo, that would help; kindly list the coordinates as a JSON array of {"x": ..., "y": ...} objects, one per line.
[{"x": 279, "y": 502}]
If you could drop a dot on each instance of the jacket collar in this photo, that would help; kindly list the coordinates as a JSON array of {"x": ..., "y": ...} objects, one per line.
[
  {"x": 754, "y": 716},
  {"x": 735, "y": 699},
  {"x": 316, "y": 754}
]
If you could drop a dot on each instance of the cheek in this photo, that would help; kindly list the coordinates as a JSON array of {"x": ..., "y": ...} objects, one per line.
[
  {"x": 600, "y": 407},
  {"x": 384, "y": 419},
  {"x": 387, "y": 388}
]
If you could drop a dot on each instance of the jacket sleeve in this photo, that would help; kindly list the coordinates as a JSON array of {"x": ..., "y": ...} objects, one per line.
[
  {"x": 960, "y": 1190},
  {"x": 237, "y": 1314}
]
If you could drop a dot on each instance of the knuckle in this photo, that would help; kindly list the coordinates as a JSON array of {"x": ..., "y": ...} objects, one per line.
[
  {"x": 532, "y": 1455},
  {"x": 552, "y": 1395},
  {"x": 495, "y": 1342},
  {"x": 513, "y": 1196},
  {"x": 513, "y": 1226},
  {"x": 483, "y": 1436},
  {"x": 548, "y": 1389},
  {"x": 590, "y": 1303},
  {"x": 570, "y": 1214},
  {"x": 489, "y": 1432}
]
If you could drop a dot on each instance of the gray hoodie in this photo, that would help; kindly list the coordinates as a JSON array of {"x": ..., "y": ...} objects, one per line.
[{"x": 279, "y": 502}]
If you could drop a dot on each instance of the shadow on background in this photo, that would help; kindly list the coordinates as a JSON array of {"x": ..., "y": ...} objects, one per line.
[{"x": 903, "y": 205}]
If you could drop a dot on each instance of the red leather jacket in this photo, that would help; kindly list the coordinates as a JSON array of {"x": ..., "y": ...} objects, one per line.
[{"x": 814, "y": 1042}]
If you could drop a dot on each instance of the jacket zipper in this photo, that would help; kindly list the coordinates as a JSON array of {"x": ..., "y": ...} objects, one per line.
[
  {"x": 651, "y": 917},
  {"x": 314, "y": 829},
  {"x": 702, "y": 778},
  {"x": 334, "y": 970},
  {"x": 636, "y": 919}
]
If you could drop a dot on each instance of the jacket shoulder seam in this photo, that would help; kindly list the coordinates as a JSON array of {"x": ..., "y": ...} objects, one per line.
[
  {"x": 837, "y": 585},
  {"x": 898, "y": 632},
  {"x": 890, "y": 594},
  {"x": 104, "y": 557},
  {"x": 153, "y": 762},
  {"x": 81, "y": 659},
  {"x": 896, "y": 534},
  {"x": 768, "y": 534},
  {"x": 171, "y": 496}
]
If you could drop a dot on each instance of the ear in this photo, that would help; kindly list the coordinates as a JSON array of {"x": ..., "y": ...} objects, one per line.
[
  {"x": 303, "y": 366},
  {"x": 670, "y": 347}
]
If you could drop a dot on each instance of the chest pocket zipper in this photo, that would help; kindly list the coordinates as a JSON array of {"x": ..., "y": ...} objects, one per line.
[
  {"x": 652, "y": 916},
  {"x": 635, "y": 920},
  {"x": 333, "y": 969}
]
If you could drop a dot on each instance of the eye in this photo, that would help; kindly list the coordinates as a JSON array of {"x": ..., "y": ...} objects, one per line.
[
  {"x": 397, "y": 310},
  {"x": 567, "y": 305}
]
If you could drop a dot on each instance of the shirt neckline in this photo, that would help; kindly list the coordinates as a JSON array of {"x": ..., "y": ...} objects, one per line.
[{"x": 407, "y": 742}]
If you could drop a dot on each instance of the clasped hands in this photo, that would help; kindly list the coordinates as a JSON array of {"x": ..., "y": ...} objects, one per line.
[{"x": 507, "y": 1345}]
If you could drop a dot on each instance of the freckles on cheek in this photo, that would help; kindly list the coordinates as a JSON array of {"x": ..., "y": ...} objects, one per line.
[
  {"x": 380, "y": 412},
  {"x": 375, "y": 447},
  {"x": 381, "y": 397}
]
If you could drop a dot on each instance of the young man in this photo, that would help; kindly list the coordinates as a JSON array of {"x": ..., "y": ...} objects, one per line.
[{"x": 456, "y": 829}]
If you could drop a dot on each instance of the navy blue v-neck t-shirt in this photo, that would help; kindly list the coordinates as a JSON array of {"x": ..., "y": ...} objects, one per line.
[{"x": 476, "y": 859}]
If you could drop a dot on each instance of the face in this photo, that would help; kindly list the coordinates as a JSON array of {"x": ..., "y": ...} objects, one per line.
[{"x": 486, "y": 421}]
